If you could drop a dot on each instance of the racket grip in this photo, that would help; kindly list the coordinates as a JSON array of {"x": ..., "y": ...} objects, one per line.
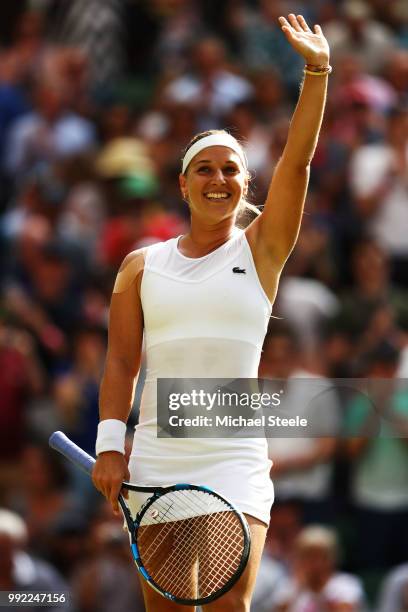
[{"x": 59, "y": 442}]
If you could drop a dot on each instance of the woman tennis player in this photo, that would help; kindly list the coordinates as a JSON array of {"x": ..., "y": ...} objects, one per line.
[{"x": 201, "y": 318}]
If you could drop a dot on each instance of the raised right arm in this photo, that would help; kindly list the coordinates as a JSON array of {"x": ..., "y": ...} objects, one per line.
[{"x": 121, "y": 369}]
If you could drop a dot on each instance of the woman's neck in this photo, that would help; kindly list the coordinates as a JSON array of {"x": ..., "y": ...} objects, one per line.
[{"x": 202, "y": 239}]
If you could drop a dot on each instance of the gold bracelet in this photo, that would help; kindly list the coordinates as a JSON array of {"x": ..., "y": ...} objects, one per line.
[{"x": 317, "y": 70}]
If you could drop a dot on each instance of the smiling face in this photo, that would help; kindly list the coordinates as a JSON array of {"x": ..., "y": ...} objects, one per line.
[{"x": 214, "y": 183}]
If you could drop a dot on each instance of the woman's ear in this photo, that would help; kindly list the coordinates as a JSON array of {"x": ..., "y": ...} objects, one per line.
[{"x": 183, "y": 186}]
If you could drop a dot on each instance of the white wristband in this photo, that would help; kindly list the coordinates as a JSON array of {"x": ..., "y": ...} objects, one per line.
[{"x": 111, "y": 436}]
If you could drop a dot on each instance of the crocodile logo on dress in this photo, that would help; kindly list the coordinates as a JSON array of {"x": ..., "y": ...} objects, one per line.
[{"x": 238, "y": 270}]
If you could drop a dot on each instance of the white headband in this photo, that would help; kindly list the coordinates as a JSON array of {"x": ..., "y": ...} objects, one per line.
[{"x": 223, "y": 140}]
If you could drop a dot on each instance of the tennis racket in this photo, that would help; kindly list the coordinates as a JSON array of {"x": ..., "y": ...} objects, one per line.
[{"x": 188, "y": 542}]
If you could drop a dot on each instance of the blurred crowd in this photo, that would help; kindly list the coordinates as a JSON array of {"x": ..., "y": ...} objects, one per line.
[{"x": 98, "y": 98}]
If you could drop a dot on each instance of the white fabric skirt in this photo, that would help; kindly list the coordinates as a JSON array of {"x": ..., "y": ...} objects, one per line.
[{"x": 237, "y": 469}]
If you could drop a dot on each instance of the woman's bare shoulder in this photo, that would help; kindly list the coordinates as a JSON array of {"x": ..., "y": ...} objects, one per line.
[{"x": 130, "y": 270}]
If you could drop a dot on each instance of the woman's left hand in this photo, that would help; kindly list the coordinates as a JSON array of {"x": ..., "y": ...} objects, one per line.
[{"x": 312, "y": 45}]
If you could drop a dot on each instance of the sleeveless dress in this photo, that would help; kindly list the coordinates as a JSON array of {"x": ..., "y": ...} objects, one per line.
[{"x": 202, "y": 320}]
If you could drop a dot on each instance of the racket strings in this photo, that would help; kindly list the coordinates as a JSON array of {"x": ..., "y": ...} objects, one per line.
[
  {"x": 191, "y": 543},
  {"x": 214, "y": 566},
  {"x": 177, "y": 505}
]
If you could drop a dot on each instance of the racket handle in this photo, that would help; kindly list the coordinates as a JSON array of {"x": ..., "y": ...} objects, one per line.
[{"x": 59, "y": 442}]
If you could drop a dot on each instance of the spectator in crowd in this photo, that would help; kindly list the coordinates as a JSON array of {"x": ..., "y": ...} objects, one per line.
[
  {"x": 50, "y": 132},
  {"x": 359, "y": 34},
  {"x": 400, "y": 21},
  {"x": 76, "y": 387},
  {"x": 378, "y": 178},
  {"x": 212, "y": 88},
  {"x": 305, "y": 299},
  {"x": 276, "y": 134},
  {"x": 106, "y": 580},
  {"x": 44, "y": 494},
  {"x": 95, "y": 27},
  {"x": 316, "y": 583},
  {"x": 284, "y": 528},
  {"x": 361, "y": 101},
  {"x": 394, "y": 593},
  {"x": 13, "y": 104},
  {"x": 371, "y": 290},
  {"x": 182, "y": 24},
  {"x": 30, "y": 222},
  {"x": 68, "y": 543},
  {"x": 396, "y": 72},
  {"x": 21, "y": 375},
  {"x": 270, "y": 580},
  {"x": 83, "y": 210},
  {"x": 256, "y": 136},
  {"x": 261, "y": 44},
  {"x": 21, "y": 572},
  {"x": 47, "y": 301},
  {"x": 167, "y": 129},
  {"x": 301, "y": 469},
  {"x": 270, "y": 98},
  {"x": 378, "y": 451},
  {"x": 28, "y": 43}
]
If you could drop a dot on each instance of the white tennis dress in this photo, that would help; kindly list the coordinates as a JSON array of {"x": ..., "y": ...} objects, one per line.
[{"x": 202, "y": 320}]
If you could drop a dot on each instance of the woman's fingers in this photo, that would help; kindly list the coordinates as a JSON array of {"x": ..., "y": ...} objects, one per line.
[
  {"x": 294, "y": 22},
  {"x": 303, "y": 24},
  {"x": 298, "y": 23},
  {"x": 286, "y": 28},
  {"x": 125, "y": 492},
  {"x": 113, "y": 498},
  {"x": 108, "y": 475},
  {"x": 284, "y": 22}
]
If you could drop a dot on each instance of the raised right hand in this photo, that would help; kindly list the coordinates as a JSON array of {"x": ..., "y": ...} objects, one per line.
[{"x": 109, "y": 471}]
